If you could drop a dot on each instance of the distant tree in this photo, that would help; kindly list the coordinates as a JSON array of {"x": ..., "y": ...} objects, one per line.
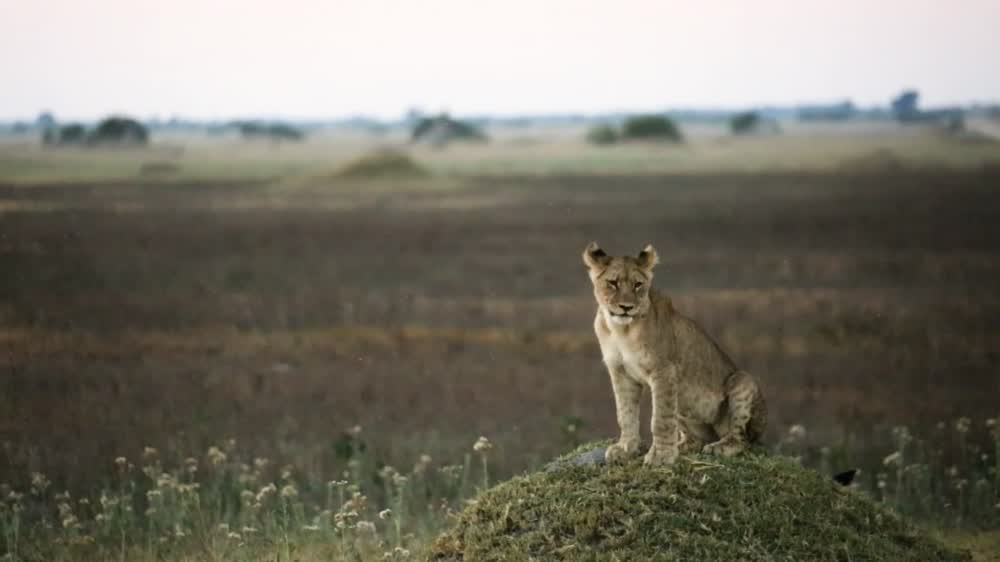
[
  {"x": 651, "y": 127},
  {"x": 442, "y": 129},
  {"x": 904, "y": 106},
  {"x": 45, "y": 120},
  {"x": 744, "y": 123},
  {"x": 72, "y": 134},
  {"x": 67, "y": 134},
  {"x": 281, "y": 131},
  {"x": 275, "y": 132},
  {"x": 834, "y": 112},
  {"x": 602, "y": 134},
  {"x": 119, "y": 130},
  {"x": 413, "y": 115}
]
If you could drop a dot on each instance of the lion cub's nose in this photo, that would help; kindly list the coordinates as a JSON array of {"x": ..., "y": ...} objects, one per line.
[{"x": 626, "y": 307}]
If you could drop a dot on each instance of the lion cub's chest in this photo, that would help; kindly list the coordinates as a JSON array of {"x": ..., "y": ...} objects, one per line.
[{"x": 633, "y": 356}]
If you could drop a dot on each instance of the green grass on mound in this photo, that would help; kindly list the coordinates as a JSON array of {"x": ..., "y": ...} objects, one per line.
[{"x": 703, "y": 508}]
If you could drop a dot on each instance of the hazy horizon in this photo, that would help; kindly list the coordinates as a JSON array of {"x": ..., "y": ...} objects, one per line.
[{"x": 312, "y": 59}]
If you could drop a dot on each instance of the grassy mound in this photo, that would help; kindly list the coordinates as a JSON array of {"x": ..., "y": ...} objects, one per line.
[
  {"x": 384, "y": 163},
  {"x": 704, "y": 508}
]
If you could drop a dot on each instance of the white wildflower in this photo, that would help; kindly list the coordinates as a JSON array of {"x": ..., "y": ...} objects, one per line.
[
  {"x": 963, "y": 424},
  {"x": 216, "y": 456},
  {"x": 266, "y": 491},
  {"x": 482, "y": 445},
  {"x": 892, "y": 459},
  {"x": 797, "y": 432}
]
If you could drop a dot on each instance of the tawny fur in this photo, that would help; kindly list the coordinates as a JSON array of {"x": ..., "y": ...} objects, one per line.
[{"x": 701, "y": 400}]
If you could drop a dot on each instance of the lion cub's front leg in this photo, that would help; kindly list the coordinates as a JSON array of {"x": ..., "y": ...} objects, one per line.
[
  {"x": 627, "y": 396},
  {"x": 664, "y": 425}
]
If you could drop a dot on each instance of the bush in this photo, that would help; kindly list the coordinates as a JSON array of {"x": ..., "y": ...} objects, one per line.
[
  {"x": 602, "y": 134},
  {"x": 651, "y": 127},
  {"x": 274, "y": 131},
  {"x": 72, "y": 134},
  {"x": 905, "y": 104},
  {"x": 67, "y": 134},
  {"x": 119, "y": 130},
  {"x": 703, "y": 508},
  {"x": 744, "y": 123},
  {"x": 440, "y": 130}
]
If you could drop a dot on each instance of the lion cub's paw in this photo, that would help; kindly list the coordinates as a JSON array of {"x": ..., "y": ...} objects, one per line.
[
  {"x": 620, "y": 452},
  {"x": 728, "y": 446},
  {"x": 661, "y": 455}
]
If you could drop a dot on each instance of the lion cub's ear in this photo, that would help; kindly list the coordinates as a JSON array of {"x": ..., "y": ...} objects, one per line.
[
  {"x": 595, "y": 257},
  {"x": 648, "y": 258}
]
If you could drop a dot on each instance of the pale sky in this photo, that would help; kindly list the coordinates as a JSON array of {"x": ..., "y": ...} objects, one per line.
[{"x": 334, "y": 58}]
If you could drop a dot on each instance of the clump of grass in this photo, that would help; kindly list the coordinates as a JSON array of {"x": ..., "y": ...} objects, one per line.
[
  {"x": 747, "y": 508},
  {"x": 383, "y": 163}
]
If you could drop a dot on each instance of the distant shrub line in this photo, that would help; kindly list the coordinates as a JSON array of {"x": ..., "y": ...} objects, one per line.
[
  {"x": 115, "y": 130},
  {"x": 637, "y": 128}
]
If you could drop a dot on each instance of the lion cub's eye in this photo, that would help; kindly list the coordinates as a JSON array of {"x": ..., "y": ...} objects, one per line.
[
  {"x": 638, "y": 285},
  {"x": 612, "y": 283}
]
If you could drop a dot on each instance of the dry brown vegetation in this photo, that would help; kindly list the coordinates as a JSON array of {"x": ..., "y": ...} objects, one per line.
[{"x": 177, "y": 314}]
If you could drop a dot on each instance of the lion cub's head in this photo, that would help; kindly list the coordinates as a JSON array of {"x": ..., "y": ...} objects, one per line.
[{"x": 621, "y": 285}]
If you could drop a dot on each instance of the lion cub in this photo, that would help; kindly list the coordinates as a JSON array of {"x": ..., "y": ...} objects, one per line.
[{"x": 701, "y": 401}]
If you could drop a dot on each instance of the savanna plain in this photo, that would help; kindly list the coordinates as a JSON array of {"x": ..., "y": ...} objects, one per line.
[{"x": 249, "y": 354}]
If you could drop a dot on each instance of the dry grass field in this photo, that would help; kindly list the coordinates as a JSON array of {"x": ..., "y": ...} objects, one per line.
[{"x": 282, "y": 305}]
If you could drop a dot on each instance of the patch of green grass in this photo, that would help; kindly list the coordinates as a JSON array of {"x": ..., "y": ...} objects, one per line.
[{"x": 703, "y": 508}]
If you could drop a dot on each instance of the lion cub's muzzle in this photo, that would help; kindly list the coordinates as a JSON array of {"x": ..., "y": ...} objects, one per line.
[{"x": 625, "y": 315}]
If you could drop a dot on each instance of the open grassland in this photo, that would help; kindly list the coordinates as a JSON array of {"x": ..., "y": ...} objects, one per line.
[
  {"x": 278, "y": 305},
  {"x": 175, "y": 157}
]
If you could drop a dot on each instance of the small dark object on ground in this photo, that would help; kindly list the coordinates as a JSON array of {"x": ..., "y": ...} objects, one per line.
[{"x": 845, "y": 478}]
